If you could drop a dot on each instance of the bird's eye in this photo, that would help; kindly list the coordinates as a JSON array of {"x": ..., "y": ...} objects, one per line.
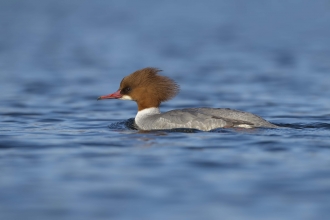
[{"x": 126, "y": 89}]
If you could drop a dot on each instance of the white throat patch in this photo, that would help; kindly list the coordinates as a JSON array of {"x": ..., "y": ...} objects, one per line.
[{"x": 126, "y": 97}]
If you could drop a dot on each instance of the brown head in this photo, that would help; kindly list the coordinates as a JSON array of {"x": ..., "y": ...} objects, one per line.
[{"x": 145, "y": 87}]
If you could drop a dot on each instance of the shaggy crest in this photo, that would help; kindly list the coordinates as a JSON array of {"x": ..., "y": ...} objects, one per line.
[{"x": 147, "y": 83}]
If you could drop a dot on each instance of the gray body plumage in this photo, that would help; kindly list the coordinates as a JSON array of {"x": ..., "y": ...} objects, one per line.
[{"x": 204, "y": 119}]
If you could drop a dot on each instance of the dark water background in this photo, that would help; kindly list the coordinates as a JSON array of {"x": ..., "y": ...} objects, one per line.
[{"x": 63, "y": 155}]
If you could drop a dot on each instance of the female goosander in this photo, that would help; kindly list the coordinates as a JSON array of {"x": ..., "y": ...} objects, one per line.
[{"x": 148, "y": 90}]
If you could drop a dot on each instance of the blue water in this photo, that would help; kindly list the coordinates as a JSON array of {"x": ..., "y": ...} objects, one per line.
[{"x": 63, "y": 155}]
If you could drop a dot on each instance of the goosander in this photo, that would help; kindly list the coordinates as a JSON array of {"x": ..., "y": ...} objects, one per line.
[{"x": 148, "y": 89}]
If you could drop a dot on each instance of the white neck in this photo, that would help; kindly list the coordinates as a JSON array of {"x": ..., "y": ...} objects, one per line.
[{"x": 141, "y": 115}]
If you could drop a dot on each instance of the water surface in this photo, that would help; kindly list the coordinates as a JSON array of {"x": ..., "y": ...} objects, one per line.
[{"x": 63, "y": 155}]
